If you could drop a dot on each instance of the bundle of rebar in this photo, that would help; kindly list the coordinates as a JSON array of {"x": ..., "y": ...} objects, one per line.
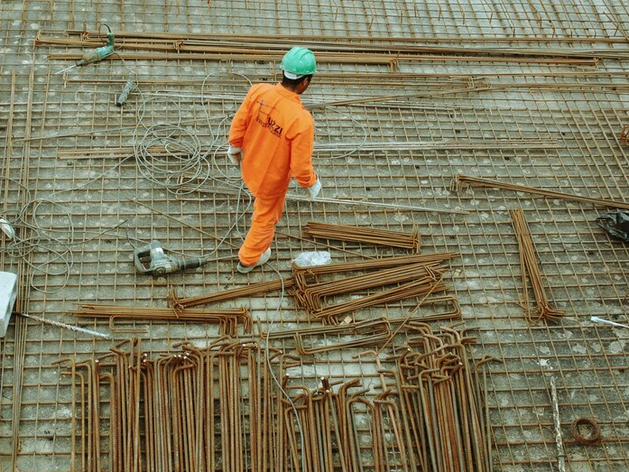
[
  {"x": 364, "y": 235},
  {"x": 182, "y": 412},
  {"x": 419, "y": 288},
  {"x": 442, "y": 403},
  {"x": 313, "y": 296},
  {"x": 463, "y": 181},
  {"x": 430, "y": 414},
  {"x": 303, "y": 275},
  {"x": 530, "y": 268},
  {"x": 228, "y": 320},
  {"x": 230, "y": 294},
  {"x": 317, "y": 429},
  {"x": 450, "y": 310},
  {"x": 407, "y": 277},
  {"x": 221, "y": 408},
  {"x": 328, "y": 49},
  {"x": 365, "y": 333}
]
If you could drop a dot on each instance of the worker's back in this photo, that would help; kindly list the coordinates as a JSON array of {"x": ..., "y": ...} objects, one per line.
[{"x": 276, "y": 134}]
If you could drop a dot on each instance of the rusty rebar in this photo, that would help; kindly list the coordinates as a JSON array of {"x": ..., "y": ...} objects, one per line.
[
  {"x": 230, "y": 294},
  {"x": 530, "y": 266},
  {"x": 217, "y": 408},
  {"x": 228, "y": 319},
  {"x": 363, "y": 234},
  {"x": 462, "y": 181}
]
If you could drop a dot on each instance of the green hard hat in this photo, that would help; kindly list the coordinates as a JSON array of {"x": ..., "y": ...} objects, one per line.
[{"x": 298, "y": 62}]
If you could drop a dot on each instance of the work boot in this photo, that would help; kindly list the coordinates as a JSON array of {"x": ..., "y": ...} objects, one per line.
[{"x": 243, "y": 269}]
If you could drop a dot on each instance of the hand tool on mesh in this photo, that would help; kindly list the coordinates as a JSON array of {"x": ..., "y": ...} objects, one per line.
[
  {"x": 95, "y": 55},
  {"x": 152, "y": 259}
]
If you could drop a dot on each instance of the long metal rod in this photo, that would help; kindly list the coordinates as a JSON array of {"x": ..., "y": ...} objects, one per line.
[
  {"x": 337, "y": 201},
  {"x": 367, "y": 203},
  {"x": 462, "y": 181},
  {"x": 330, "y": 51},
  {"x": 561, "y": 455},
  {"x": 230, "y": 294},
  {"x": 351, "y": 40},
  {"x": 530, "y": 267},
  {"x": 366, "y": 234},
  {"x": 66, "y": 326}
]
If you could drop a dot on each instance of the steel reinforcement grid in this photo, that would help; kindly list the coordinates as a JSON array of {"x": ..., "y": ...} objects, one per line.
[{"x": 416, "y": 106}]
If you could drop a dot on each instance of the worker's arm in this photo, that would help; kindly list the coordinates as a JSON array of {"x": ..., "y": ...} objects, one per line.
[
  {"x": 240, "y": 122},
  {"x": 237, "y": 130},
  {"x": 301, "y": 147}
]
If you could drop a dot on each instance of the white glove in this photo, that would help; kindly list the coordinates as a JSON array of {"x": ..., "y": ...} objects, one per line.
[
  {"x": 234, "y": 154},
  {"x": 314, "y": 189}
]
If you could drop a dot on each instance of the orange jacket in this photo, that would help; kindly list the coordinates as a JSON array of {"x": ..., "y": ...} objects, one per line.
[{"x": 276, "y": 135}]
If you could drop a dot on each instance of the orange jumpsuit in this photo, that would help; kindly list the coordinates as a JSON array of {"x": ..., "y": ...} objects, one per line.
[{"x": 276, "y": 135}]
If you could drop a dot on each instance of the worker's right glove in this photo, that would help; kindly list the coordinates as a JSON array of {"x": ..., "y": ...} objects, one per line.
[
  {"x": 314, "y": 189},
  {"x": 234, "y": 154}
]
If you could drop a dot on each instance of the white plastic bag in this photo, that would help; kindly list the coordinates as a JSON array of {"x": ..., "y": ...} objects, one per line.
[{"x": 313, "y": 258}]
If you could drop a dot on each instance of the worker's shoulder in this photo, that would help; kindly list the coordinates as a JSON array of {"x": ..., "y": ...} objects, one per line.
[
  {"x": 301, "y": 115},
  {"x": 261, "y": 88},
  {"x": 287, "y": 103},
  {"x": 258, "y": 90},
  {"x": 305, "y": 116}
]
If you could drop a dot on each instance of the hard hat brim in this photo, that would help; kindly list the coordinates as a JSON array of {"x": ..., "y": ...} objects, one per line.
[{"x": 291, "y": 76}]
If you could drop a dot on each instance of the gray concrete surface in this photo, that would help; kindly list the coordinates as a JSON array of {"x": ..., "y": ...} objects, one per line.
[{"x": 531, "y": 93}]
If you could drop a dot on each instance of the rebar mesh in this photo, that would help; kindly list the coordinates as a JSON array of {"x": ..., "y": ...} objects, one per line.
[{"x": 531, "y": 93}]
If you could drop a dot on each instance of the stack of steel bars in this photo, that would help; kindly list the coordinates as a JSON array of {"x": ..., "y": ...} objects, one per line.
[
  {"x": 227, "y": 319},
  {"x": 442, "y": 403},
  {"x": 230, "y": 294},
  {"x": 199, "y": 410},
  {"x": 410, "y": 276},
  {"x": 530, "y": 267},
  {"x": 430, "y": 414},
  {"x": 222, "y": 409},
  {"x": 373, "y": 333},
  {"x": 329, "y": 49},
  {"x": 461, "y": 181},
  {"x": 367, "y": 235},
  {"x": 343, "y": 431},
  {"x": 317, "y": 430}
]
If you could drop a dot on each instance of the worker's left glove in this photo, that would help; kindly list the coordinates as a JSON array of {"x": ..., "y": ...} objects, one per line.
[
  {"x": 314, "y": 189},
  {"x": 234, "y": 154}
]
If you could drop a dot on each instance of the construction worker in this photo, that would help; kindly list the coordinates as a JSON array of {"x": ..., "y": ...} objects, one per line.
[{"x": 271, "y": 138}]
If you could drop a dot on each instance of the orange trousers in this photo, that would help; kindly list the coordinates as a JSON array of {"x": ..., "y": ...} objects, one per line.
[{"x": 267, "y": 211}]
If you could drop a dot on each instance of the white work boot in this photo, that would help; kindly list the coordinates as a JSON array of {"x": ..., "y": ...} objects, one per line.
[{"x": 266, "y": 255}]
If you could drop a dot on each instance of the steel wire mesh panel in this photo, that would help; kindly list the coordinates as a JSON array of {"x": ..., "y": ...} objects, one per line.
[{"x": 528, "y": 93}]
